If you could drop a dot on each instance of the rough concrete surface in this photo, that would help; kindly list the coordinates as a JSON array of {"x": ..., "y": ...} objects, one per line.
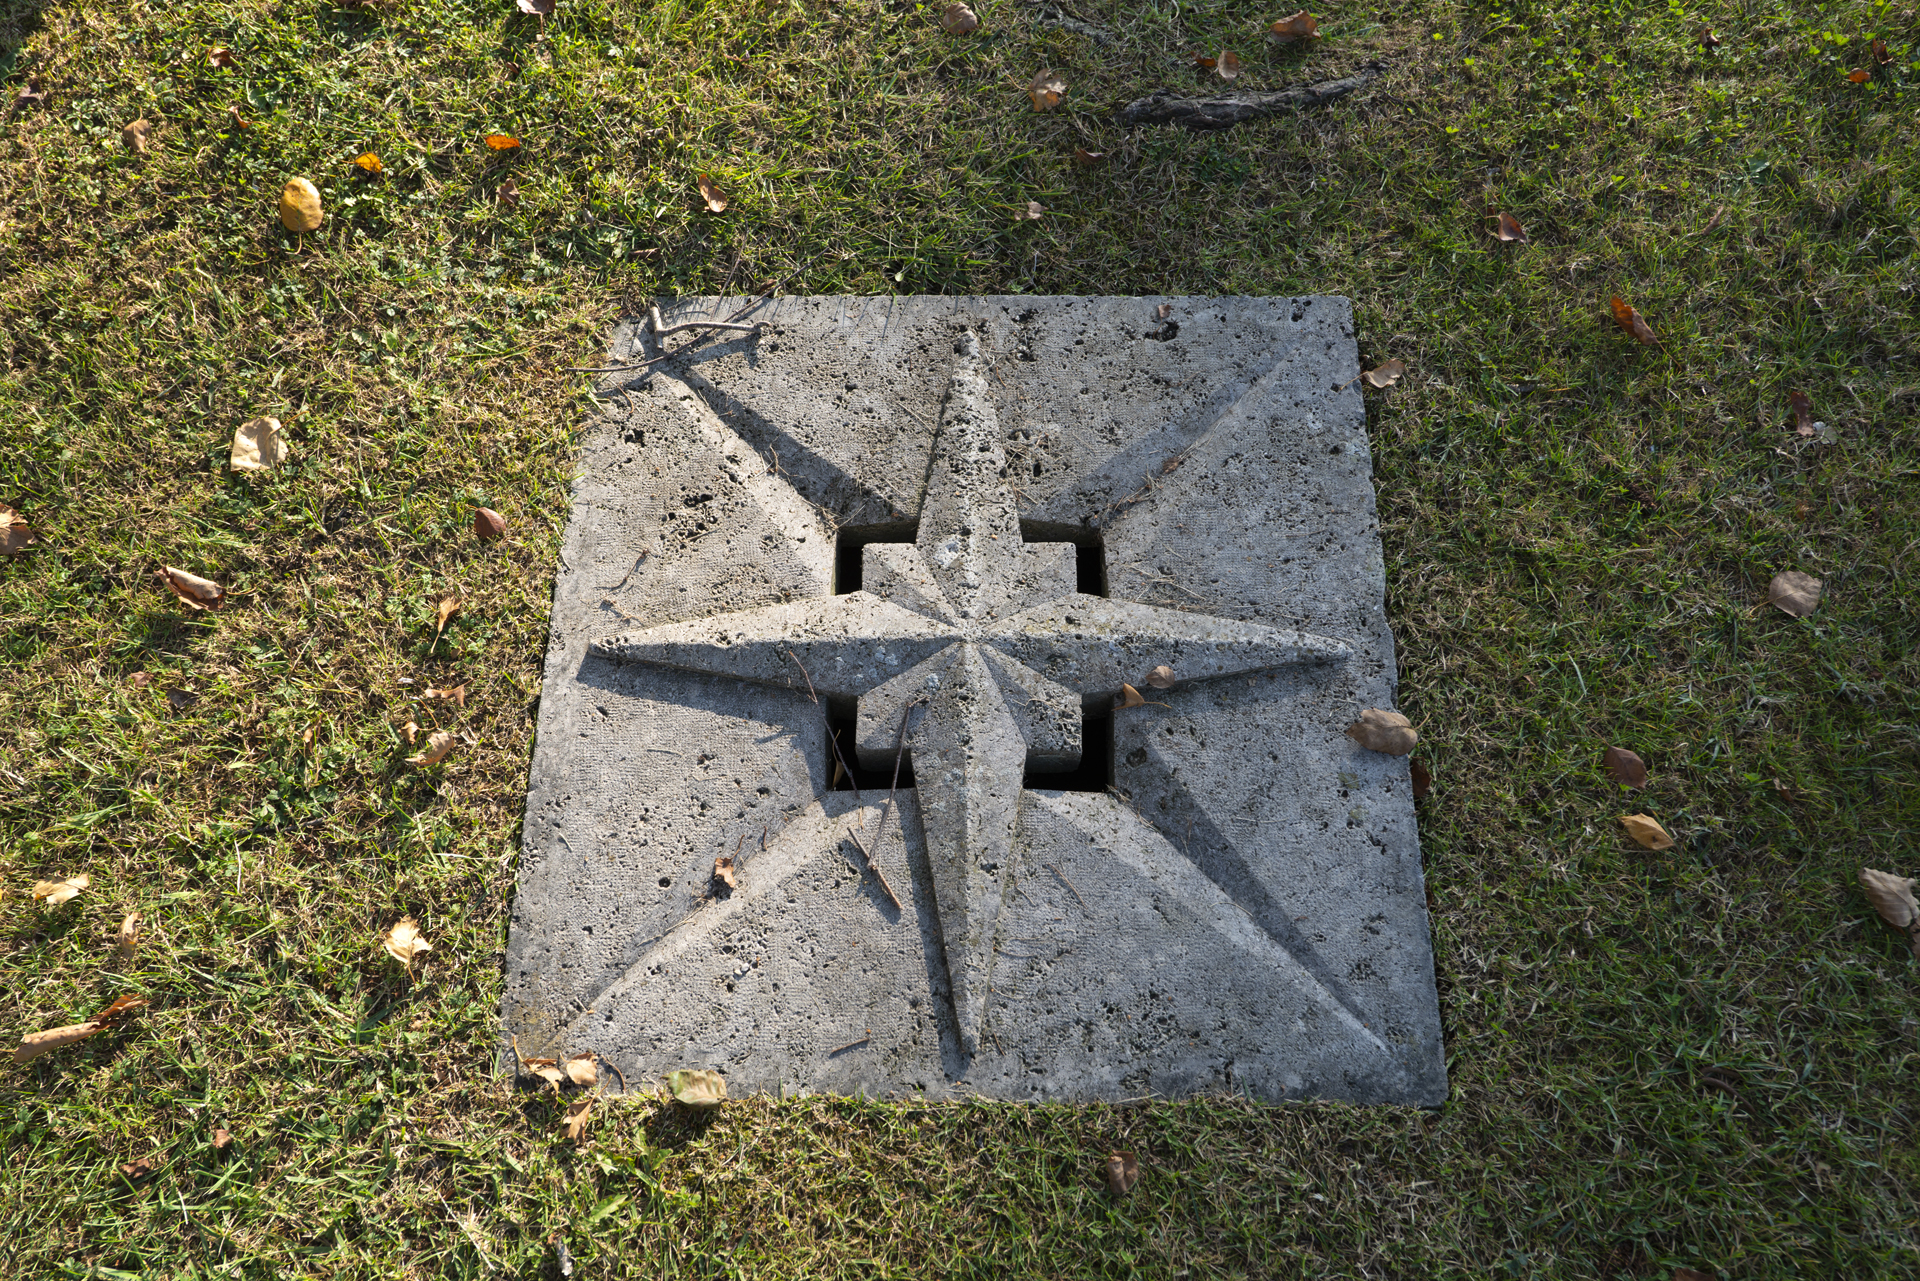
[{"x": 1041, "y": 500}]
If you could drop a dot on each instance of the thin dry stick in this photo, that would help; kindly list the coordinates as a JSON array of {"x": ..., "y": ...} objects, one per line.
[
  {"x": 850, "y": 1044},
  {"x": 1055, "y": 869},
  {"x": 880, "y": 828},
  {"x": 833, "y": 741},
  {"x": 661, "y": 328},
  {"x": 644, "y": 364}
]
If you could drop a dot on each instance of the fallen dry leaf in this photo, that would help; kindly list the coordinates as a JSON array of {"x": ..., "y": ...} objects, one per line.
[
  {"x": 57, "y": 892},
  {"x": 501, "y": 142},
  {"x": 1161, "y": 677},
  {"x": 1422, "y": 779},
  {"x": 1130, "y": 697},
  {"x": 299, "y": 206},
  {"x": 457, "y": 694},
  {"x": 548, "y": 1070},
  {"x": 221, "y": 56},
  {"x": 507, "y": 193},
  {"x": 34, "y": 1044},
  {"x": 723, "y": 873},
  {"x": 1047, "y": 89},
  {"x": 711, "y": 193},
  {"x": 368, "y": 162},
  {"x": 1386, "y": 375},
  {"x": 15, "y": 534},
  {"x": 1794, "y": 592},
  {"x": 578, "y": 1113},
  {"x": 444, "y": 615},
  {"x": 439, "y": 743},
  {"x": 1693, "y": 1274},
  {"x": 30, "y": 92},
  {"x": 958, "y": 20},
  {"x": 128, "y": 944},
  {"x": 1892, "y": 897},
  {"x": 136, "y": 134},
  {"x": 195, "y": 591},
  {"x": 1123, "y": 1171},
  {"x": 221, "y": 1138},
  {"x": 582, "y": 1068},
  {"x": 1647, "y": 832},
  {"x": 1163, "y": 311},
  {"x": 141, "y": 1167},
  {"x": 1298, "y": 26},
  {"x": 1509, "y": 228},
  {"x": 1081, "y": 156},
  {"x": 1034, "y": 209},
  {"x": 534, "y": 8},
  {"x": 1859, "y": 75},
  {"x": 258, "y": 445},
  {"x": 1205, "y": 61},
  {"x": 1633, "y": 322},
  {"x": 697, "y": 1087},
  {"x": 1705, "y": 38},
  {"x": 1625, "y": 767},
  {"x": 412, "y": 731},
  {"x": 1228, "y": 66},
  {"x": 239, "y": 121},
  {"x": 404, "y": 942},
  {"x": 1379, "y": 730},
  {"x": 140, "y": 680},
  {"x": 1802, "y": 406},
  {"x": 488, "y": 523},
  {"x": 1881, "y": 54}
]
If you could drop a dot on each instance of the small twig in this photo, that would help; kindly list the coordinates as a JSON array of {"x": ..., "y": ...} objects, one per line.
[
  {"x": 1055, "y": 869},
  {"x": 617, "y": 1072},
  {"x": 661, "y": 328},
  {"x": 899, "y": 752},
  {"x": 880, "y": 875},
  {"x": 850, "y": 1044},
  {"x": 803, "y": 671}
]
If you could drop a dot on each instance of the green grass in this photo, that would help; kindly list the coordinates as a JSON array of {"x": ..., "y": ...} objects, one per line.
[{"x": 1578, "y": 533}]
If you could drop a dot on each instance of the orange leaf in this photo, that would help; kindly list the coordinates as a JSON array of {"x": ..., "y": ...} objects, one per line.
[
  {"x": 239, "y": 121},
  {"x": 1859, "y": 75},
  {"x": 221, "y": 56},
  {"x": 1203, "y": 61},
  {"x": 1509, "y": 228},
  {"x": 1632, "y": 321},
  {"x": 716, "y": 199},
  {"x": 368, "y": 162},
  {"x": 1081, "y": 156},
  {"x": 1298, "y": 26},
  {"x": 501, "y": 142},
  {"x": 1047, "y": 89},
  {"x": 1705, "y": 37}
]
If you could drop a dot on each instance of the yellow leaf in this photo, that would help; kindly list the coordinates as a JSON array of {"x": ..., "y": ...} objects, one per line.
[
  {"x": 697, "y": 1088},
  {"x": 1647, "y": 832},
  {"x": 501, "y": 142},
  {"x": 57, "y": 892},
  {"x": 258, "y": 446},
  {"x": 1794, "y": 592},
  {"x": 578, "y": 1113},
  {"x": 1379, "y": 730},
  {"x": 439, "y": 743},
  {"x": 195, "y": 591},
  {"x": 404, "y": 942},
  {"x": 444, "y": 615},
  {"x": 1386, "y": 375},
  {"x": 299, "y": 206},
  {"x": 368, "y": 162},
  {"x": 136, "y": 134}
]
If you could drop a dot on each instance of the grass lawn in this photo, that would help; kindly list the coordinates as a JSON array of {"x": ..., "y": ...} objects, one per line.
[{"x": 1702, "y": 1056}]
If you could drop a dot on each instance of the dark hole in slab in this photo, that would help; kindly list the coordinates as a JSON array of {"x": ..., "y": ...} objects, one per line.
[
  {"x": 841, "y": 715},
  {"x": 1095, "y": 771},
  {"x": 1089, "y": 560}
]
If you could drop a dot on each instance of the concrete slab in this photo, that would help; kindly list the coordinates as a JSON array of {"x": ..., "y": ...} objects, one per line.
[{"x": 939, "y": 538}]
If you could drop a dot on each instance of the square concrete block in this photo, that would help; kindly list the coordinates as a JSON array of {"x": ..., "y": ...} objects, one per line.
[{"x": 999, "y": 650}]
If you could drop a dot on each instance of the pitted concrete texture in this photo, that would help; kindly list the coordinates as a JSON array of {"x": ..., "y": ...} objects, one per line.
[{"x": 1044, "y": 500}]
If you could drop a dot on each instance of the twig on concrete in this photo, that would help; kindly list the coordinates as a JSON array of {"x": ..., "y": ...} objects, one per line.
[
  {"x": 850, "y": 1044},
  {"x": 660, "y": 328},
  {"x": 1225, "y": 110},
  {"x": 1055, "y": 869}
]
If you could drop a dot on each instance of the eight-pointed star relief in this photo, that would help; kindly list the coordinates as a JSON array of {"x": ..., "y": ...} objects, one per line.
[{"x": 976, "y": 651}]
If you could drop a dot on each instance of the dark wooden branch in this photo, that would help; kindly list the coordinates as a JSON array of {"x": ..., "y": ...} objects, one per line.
[{"x": 1225, "y": 110}]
